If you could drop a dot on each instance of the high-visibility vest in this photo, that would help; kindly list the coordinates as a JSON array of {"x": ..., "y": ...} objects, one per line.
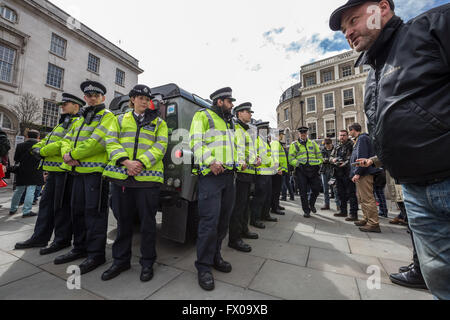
[
  {"x": 302, "y": 155},
  {"x": 279, "y": 156},
  {"x": 147, "y": 144},
  {"x": 211, "y": 139},
  {"x": 87, "y": 143},
  {"x": 245, "y": 148},
  {"x": 50, "y": 147},
  {"x": 267, "y": 164}
]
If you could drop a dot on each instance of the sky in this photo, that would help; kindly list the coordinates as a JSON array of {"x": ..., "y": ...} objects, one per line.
[{"x": 256, "y": 47}]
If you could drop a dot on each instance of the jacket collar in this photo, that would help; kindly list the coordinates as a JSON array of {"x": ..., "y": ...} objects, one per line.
[
  {"x": 243, "y": 125},
  {"x": 379, "y": 51}
]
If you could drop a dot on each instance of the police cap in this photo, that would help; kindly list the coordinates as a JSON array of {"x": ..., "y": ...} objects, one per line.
[
  {"x": 93, "y": 87},
  {"x": 224, "y": 93},
  {"x": 67, "y": 97},
  {"x": 242, "y": 107},
  {"x": 141, "y": 90},
  {"x": 303, "y": 129}
]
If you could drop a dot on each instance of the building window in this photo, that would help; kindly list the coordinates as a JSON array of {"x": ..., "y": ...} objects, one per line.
[
  {"x": 328, "y": 101},
  {"x": 55, "y": 76},
  {"x": 286, "y": 114},
  {"x": 58, "y": 46},
  {"x": 349, "y": 122},
  {"x": 311, "y": 105},
  {"x": 310, "y": 80},
  {"x": 8, "y": 14},
  {"x": 5, "y": 122},
  {"x": 327, "y": 76},
  {"x": 50, "y": 114},
  {"x": 93, "y": 63},
  {"x": 7, "y": 58},
  {"x": 312, "y": 130},
  {"x": 330, "y": 129},
  {"x": 349, "y": 98},
  {"x": 120, "y": 77},
  {"x": 346, "y": 71}
]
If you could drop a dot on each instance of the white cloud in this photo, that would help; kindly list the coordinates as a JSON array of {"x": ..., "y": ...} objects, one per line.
[{"x": 203, "y": 45}]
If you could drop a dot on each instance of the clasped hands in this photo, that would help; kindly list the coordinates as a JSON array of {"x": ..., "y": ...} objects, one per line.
[
  {"x": 134, "y": 167},
  {"x": 70, "y": 161}
]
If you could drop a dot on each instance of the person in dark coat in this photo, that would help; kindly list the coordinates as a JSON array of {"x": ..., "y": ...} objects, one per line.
[{"x": 28, "y": 176}]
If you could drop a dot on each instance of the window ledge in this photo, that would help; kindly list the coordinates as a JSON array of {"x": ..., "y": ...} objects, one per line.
[
  {"x": 57, "y": 55},
  {"x": 55, "y": 88},
  {"x": 96, "y": 73}
]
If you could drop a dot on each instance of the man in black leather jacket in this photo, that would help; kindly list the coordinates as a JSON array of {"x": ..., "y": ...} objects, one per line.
[{"x": 407, "y": 103}]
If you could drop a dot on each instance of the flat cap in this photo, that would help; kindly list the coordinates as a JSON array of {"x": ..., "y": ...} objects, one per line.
[
  {"x": 67, "y": 97},
  {"x": 336, "y": 16},
  {"x": 93, "y": 87},
  {"x": 224, "y": 93}
]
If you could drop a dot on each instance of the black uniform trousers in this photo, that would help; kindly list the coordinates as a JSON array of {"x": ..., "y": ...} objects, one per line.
[
  {"x": 240, "y": 216},
  {"x": 90, "y": 223},
  {"x": 128, "y": 202},
  {"x": 277, "y": 182},
  {"x": 308, "y": 181},
  {"x": 216, "y": 196},
  {"x": 347, "y": 193},
  {"x": 287, "y": 186},
  {"x": 260, "y": 204},
  {"x": 54, "y": 210}
]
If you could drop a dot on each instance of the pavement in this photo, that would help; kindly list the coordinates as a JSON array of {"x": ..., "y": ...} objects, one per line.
[{"x": 322, "y": 258}]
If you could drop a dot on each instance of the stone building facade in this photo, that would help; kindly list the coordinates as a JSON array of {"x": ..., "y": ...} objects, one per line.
[
  {"x": 45, "y": 52},
  {"x": 331, "y": 97}
]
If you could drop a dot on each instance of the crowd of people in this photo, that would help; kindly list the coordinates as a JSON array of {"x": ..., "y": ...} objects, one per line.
[{"x": 92, "y": 154}]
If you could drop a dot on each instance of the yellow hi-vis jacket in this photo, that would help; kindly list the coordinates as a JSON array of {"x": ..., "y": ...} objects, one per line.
[{"x": 146, "y": 142}]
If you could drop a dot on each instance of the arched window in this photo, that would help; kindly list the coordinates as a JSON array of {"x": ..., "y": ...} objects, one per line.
[{"x": 5, "y": 121}]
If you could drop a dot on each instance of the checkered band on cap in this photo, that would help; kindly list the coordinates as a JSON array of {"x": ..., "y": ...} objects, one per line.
[{"x": 91, "y": 88}]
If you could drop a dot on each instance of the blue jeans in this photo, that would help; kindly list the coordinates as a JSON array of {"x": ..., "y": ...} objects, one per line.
[
  {"x": 378, "y": 193},
  {"x": 29, "y": 197},
  {"x": 327, "y": 189},
  {"x": 428, "y": 209}
]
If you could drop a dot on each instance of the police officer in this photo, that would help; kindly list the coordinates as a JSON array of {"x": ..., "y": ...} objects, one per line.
[
  {"x": 212, "y": 144},
  {"x": 260, "y": 204},
  {"x": 248, "y": 160},
  {"x": 54, "y": 207},
  {"x": 305, "y": 156},
  {"x": 279, "y": 156},
  {"x": 84, "y": 150},
  {"x": 137, "y": 142}
]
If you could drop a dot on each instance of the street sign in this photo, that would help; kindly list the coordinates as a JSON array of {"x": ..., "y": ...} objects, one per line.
[{"x": 19, "y": 139}]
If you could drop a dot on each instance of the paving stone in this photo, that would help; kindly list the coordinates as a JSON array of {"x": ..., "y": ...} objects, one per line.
[
  {"x": 320, "y": 241},
  {"x": 32, "y": 256},
  {"x": 16, "y": 270},
  {"x": 391, "y": 292},
  {"x": 297, "y": 283},
  {"x": 7, "y": 242},
  {"x": 245, "y": 267},
  {"x": 9, "y": 227},
  {"x": 344, "y": 263},
  {"x": 392, "y": 238},
  {"x": 6, "y": 258},
  {"x": 279, "y": 251},
  {"x": 274, "y": 233},
  {"x": 185, "y": 287},
  {"x": 340, "y": 230},
  {"x": 43, "y": 286},
  {"x": 392, "y": 266},
  {"x": 297, "y": 226},
  {"x": 379, "y": 249},
  {"x": 128, "y": 286}
]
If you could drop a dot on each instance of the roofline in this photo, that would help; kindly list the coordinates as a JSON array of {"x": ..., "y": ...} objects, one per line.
[{"x": 114, "y": 50}]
